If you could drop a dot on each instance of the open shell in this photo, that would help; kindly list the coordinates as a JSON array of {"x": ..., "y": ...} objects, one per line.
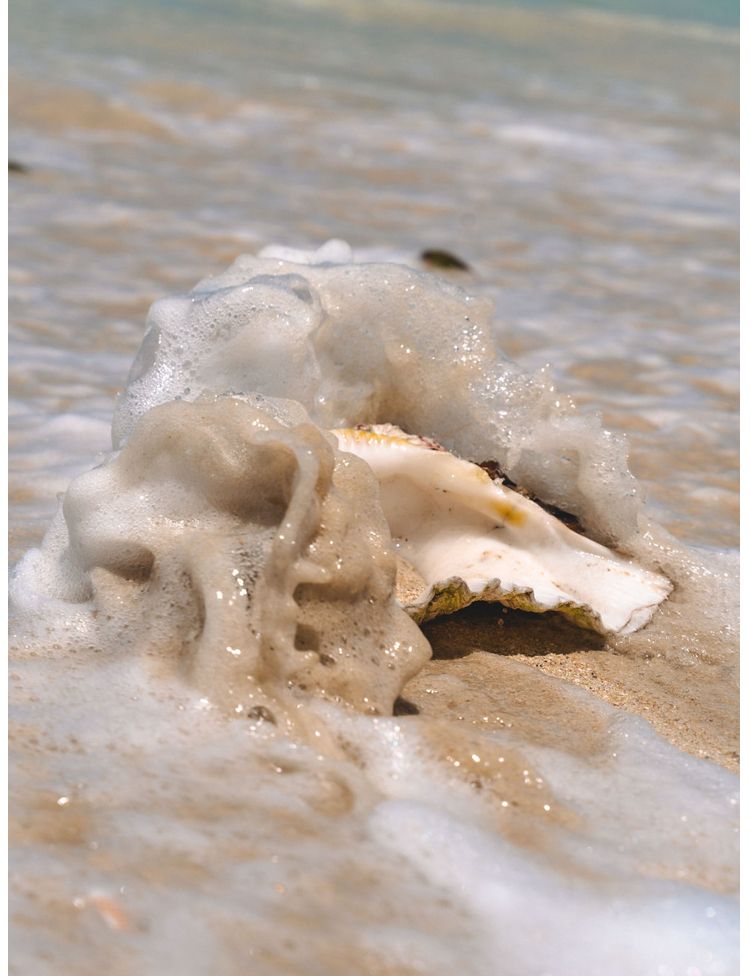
[{"x": 463, "y": 537}]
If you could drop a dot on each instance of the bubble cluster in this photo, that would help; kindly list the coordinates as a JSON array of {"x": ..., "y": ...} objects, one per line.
[
  {"x": 249, "y": 555},
  {"x": 381, "y": 343}
]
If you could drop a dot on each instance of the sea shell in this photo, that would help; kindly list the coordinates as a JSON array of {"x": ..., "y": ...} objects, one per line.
[{"x": 463, "y": 536}]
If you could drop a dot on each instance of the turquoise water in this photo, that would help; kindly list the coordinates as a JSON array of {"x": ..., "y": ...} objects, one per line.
[{"x": 722, "y": 13}]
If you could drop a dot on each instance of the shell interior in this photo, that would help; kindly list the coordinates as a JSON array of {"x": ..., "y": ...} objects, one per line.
[{"x": 462, "y": 536}]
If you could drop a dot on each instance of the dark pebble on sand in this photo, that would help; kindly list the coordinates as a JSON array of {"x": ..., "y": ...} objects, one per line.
[{"x": 444, "y": 259}]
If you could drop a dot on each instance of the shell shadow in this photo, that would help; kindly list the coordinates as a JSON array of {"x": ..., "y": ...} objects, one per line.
[{"x": 499, "y": 630}]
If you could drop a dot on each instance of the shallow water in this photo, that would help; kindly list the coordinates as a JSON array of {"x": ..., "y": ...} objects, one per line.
[
  {"x": 585, "y": 166},
  {"x": 587, "y": 169}
]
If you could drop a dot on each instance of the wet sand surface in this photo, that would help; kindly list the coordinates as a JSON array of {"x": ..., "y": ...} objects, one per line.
[{"x": 485, "y": 670}]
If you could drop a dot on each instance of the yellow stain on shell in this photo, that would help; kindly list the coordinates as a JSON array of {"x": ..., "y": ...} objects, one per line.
[{"x": 508, "y": 512}]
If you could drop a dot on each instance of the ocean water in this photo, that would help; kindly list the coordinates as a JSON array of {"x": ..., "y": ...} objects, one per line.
[
  {"x": 583, "y": 161},
  {"x": 585, "y": 167}
]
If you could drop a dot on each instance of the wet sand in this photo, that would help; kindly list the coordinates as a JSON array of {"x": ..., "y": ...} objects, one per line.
[{"x": 495, "y": 655}]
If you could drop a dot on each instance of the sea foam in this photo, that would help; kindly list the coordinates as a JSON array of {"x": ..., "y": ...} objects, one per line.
[{"x": 381, "y": 343}]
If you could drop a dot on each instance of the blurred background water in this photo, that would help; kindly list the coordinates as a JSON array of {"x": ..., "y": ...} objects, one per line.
[{"x": 582, "y": 159}]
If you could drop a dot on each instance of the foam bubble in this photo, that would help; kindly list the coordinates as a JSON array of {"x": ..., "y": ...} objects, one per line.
[
  {"x": 375, "y": 343},
  {"x": 251, "y": 555}
]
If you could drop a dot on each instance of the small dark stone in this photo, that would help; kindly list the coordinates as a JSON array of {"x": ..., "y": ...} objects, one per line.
[
  {"x": 259, "y": 713},
  {"x": 327, "y": 661},
  {"x": 403, "y": 707},
  {"x": 15, "y": 167},
  {"x": 438, "y": 258}
]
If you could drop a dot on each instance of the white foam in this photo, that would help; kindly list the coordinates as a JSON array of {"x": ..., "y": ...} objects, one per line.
[
  {"x": 250, "y": 552},
  {"x": 374, "y": 343},
  {"x": 565, "y": 927}
]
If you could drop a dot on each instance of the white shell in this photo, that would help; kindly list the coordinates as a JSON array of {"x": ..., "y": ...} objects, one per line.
[{"x": 470, "y": 538}]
